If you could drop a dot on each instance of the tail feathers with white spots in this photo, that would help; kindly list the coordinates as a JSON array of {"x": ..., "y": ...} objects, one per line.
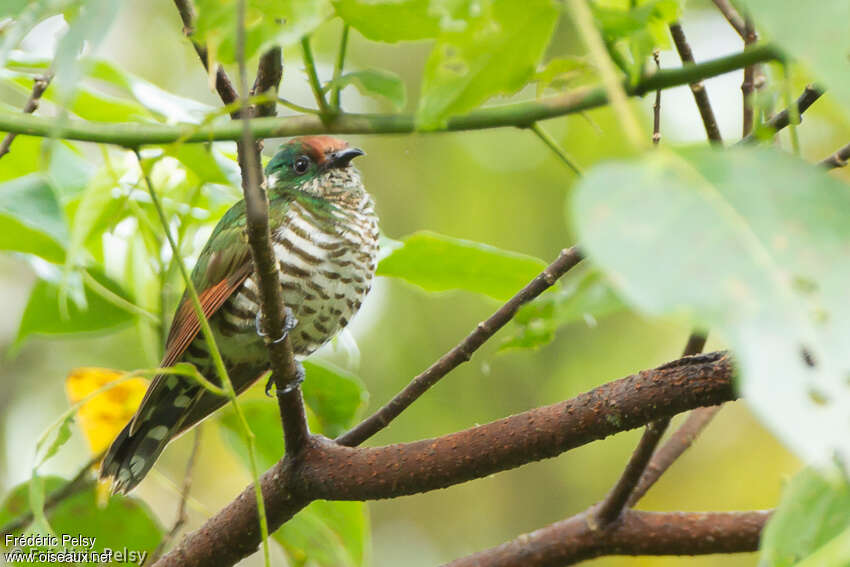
[{"x": 131, "y": 456}]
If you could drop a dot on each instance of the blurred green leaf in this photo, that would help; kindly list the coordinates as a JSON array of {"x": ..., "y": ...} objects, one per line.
[
  {"x": 31, "y": 220},
  {"x": 16, "y": 502},
  {"x": 200, "y": 160},
  {"x": 394, "y": 20},
  {"x": 561, "y": 72},
  {"x": 438, "y": 263},
  {"x": 755, "y": 244},
  {"x": 267, "y": 22},
  {"x": 25, "y": 14},
  {"x": 814, "y": 34},
  {"x": 374, "y": 82},
  {"x": 59, "y": 433},
  {"x": 496, "y": 52},
  {"x": 334, "y": 395},
  {"x": 44, "y": 315},
  {"x": 329, "y": 534},
  {"x": 814, "y": 510},
  {"x": 587, "y": 297}
]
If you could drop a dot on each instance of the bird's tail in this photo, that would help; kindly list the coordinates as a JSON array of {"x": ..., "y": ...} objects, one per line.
[{"x": 132, "y": 455}]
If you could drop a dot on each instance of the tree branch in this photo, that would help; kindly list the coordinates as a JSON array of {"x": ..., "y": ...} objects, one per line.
[
  {"x": 782, "y": 119},
  {"x": 462, "y": 352},
  {"x": 39, "y": 86},
  {"x": 520, "y": 114},
  {"x": 326, "y": 470},
  {"x": 733, "y": 17},
  {"x": 636, "y": 533},
  {"x": 697, "y": 88},
  {"x": 837, "y": 159}
]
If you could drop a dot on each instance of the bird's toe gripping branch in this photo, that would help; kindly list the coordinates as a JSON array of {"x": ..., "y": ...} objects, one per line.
[
  {"x": 300, "y": 374},
  {"x": 289, "y": 323}
]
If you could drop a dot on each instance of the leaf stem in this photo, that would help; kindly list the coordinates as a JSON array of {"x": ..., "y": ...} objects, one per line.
[
  {"x": 340, "y": 62},
  {"x": 555, "y": 147},
  {"x": 117, "y": 300},
  {"x": 313, "y": 77}
]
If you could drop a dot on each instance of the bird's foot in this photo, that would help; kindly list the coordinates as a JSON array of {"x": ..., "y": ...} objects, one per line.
[
  {"x": 289, "y": 322},
  {"x": 300, "y": 374}
]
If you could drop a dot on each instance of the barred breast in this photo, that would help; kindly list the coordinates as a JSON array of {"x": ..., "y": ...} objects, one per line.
[{"x": 326, "y": 270}]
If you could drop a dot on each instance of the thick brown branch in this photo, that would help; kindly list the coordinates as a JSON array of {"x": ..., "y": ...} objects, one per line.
[
  {"x": 462, "y": 352},
  {"x": 838, "y": 159},
  {"x": 38, "y": 88},
  {"x": 782, "y": 119},
  {"x": 635, "y": 533},
  {"x": 326, "y": 470},
  {"x": 698, "y": 88}
]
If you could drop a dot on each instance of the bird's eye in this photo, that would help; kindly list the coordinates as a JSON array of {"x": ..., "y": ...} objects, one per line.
[{"x": 301, "y": 164}]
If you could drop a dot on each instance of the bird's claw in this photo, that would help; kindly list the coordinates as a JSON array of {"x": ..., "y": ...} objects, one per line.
[
  {"x": 289, "y": 323},
  {"x": 300, "y": 374}
]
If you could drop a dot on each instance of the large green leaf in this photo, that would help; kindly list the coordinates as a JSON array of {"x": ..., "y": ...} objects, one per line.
[
  {"x": 814, "y": 510},
  {"x": 817, "y": 34},
  {"x": 334, "y": 395},
  {"x": 330, "y": 534},
  {"x": 31, "y": 220},
  {"x": 16, "y": 503},
  {"x": 49, "y": 314},
  {"x": 756, "y": 245},
  {"x": 495, "y": 52},
  {"x": 267, "y": 22},
  {"x": 398, "y": 20},
  {"x": 439, "y": 263}
]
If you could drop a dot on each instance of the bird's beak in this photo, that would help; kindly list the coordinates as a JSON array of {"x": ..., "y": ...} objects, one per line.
[{"x": 343, "y": 157}]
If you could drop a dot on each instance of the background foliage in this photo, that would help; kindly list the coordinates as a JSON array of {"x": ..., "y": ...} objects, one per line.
[{"x": 752, "y": 244}]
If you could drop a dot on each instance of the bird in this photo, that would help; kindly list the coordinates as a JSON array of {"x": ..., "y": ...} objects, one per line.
[{"x": 324, "y": 232}]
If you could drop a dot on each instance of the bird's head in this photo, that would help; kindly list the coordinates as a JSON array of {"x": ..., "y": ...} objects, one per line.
[{"x": 317, "y": 165}]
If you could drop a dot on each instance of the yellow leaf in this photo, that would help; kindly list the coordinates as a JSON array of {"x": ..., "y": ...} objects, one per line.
[{"x": 102, "y": 417}]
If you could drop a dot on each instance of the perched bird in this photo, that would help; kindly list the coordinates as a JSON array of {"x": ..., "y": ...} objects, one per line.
[{"x": 325, "y": 239}]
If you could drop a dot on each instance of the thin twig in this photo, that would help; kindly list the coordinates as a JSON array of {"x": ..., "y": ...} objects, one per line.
[
  {"x": 733, "y": 17},
  {"x": 555, "y": 147},
  {"x": 81, "y": 481},
  {"x": 613, "y": 84},
  {"x": 749, "y": 83},
  {"x": 656, "y": 107},
  {"x": 793, "y": 110},
  {"x": 182, "y": 516},
  {"x": 837, "y": 159},
  {"x": 313, "y": 77},
  {"x": 780, "y": 120},
  {"x": 697, "y": 88},
  {"x": 38, "y": 88},
  {"x": 340, "y": 63},
  {"x": 461, "y": 352},
  {"x": 620, "y": 495},
  {"x": 297, "y": 107}
]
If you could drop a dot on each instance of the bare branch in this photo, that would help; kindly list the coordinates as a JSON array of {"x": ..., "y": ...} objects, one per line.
[
  {"x": 749, "y": 84},
  {"x": 636, "y": 533},
  {"x": 326, "y": 470},
  {"x": 462, "y": 352},
  {"x": 38, "y": 88},
  {"x": 782, "y": 119},
  {"x": 656, "y": 108},
  {"x": 732, "y": 16},
  {"x": 838, "y": 159},
  {"x": 673, "y": 449},
  {"x": 697, "y": 88}
]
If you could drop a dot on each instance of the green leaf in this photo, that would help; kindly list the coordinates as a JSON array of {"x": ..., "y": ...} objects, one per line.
[
  {"x": 394, "y": 20},
  {"x": 44, "y": 315},
  {"x": 61, "y": 436},
  {"x": 267, "y": 22},
  {"x": 374, "y": 82},
  {"x": 814, "y": 510},
  {"x": 754, "y": 244},
  {"x": 496, "y": 52},
  {"x": 562, "y": 72},
  {"x": 31, "y": 220},
  {"x": 202, "y": 160},
  {"x": 334, "y": 395},
  {"x": 438, "y": 263},
  {"x": 814, "y": 34},
  {"x": 17, "y": 503},
  {"x": 330, "y": 534},
  {"x": 587, "y": 297}
]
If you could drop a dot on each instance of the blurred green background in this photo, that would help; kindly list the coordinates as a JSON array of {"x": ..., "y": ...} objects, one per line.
[{"x": 501, "y": 187}]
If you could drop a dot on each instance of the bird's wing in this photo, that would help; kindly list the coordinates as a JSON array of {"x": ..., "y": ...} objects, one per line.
[{"x": 222, "y": 267}]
